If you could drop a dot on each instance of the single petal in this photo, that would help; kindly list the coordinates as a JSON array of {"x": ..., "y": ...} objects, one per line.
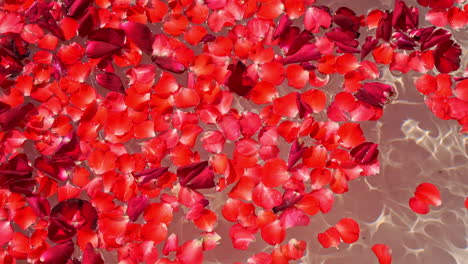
[
  {"x": 140, "y": 34},
  {"x": 112, "y": 36},
  {"x": 14, "y": 116},
  {"x": 136, "y": 206},
  {"x": 151, "y": 174},
  {"x": 428, "y": 193},
  {"x": 59, "y": 253},
  {"x": 348, "y": 229},
  {"x": 90, "y": 256},
  {"x": 383, "y": 253},
  {"x": 77, "y": 8},
  {"x": 308, "y": 52},
  {"x": 365, "y": 153},
  {"x": 110, "y": 81},
  {"x": 99, "y": 49},
  {"x": 376, "y": 94},
  {"x": 169, "y": 64}
]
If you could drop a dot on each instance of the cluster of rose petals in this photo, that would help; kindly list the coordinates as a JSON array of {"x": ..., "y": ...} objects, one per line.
[{"x": 116, "y": 115}]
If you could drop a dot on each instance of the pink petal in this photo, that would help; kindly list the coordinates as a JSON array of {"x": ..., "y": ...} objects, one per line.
[
  {"x": 316, "y": 18},
  {"x": 7, "y": 232},
  {"x": 293, "y": 217},
  {"x": 10, "y": 22},
  {"x": 295, "y": 153},
  {"x": 140, "y": 34}
]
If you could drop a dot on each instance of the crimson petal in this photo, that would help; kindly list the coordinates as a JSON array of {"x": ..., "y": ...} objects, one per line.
[
  {"x": 140, "y": 34},
  {"x": 196, "y": 175},
  {"x": 77, "y": 8},
  {"x": 368, "y": 46},
  {"x": 308, "y": 52},
  {"x": 136, "y": 206},
  {"x": 384, "y": 29},
  {"x": 283, "y": 24},
  {"x": 365, "y": 153},
  {"x": 59, "y": 231},
  {"x": 347, "y": 19},
  {"x": 169, "y": 64},
  {"x": 90, "y": 256},
  {"x": 403, "y": 17},
  {"x": 110, "y": 81},
  {"x": 376, "y": 94},
  {"x": 237, "y": 81},
  {"x": 40, "y": 206},
  {"x": 109, "y": 35},
  {"x": 14, "y": 116},
  {"x": 98, "y": 49},
  {"x": 76, "y": 212},
  {"x": 50, "y": 167},
  {"x": 16, "y": 175},
  {"x": 151, "y": 174},
  {"x": 299, "y": 42},
  {"x": 447, "y": 56},
  {"x": 295, "y": 153},
  {"x": 60, "y": 253}
]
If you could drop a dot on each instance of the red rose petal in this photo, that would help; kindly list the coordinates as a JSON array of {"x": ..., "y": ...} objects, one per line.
[
  {"x": 348, "y": 229},
  {"x": 330, "y": 238},
  {"x": 428, "y": 193},
  {"x": 418, "y": 205},
  {"x": 383, "y": 253}
]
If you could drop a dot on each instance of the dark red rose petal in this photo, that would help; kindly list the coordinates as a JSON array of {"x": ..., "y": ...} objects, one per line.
[
  {"x": 140, "y": 34},
  {"x": 365, "y": 153},
  {"x": 110, "y": 81},
  {"x": 136, "y": 206},
  {"x": 196, "y": 176},
  {"x": 99, "y": 49},
  {"x": 14, "y": 116},
  {"x": 447, "y": 56},
  {"x": 151, "y": 174},
  {"x": 90, "y": 256},
  {"x": 77, "y": 8},
  {"x": 237, "y": 81},
  {"x": 169, "y": 64},
  {"x": 112, "y": 36},
  {"x": 376, "y": 94},
  {"x": 308, "y": 52},
  {"x": 59, "y": 253}
]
